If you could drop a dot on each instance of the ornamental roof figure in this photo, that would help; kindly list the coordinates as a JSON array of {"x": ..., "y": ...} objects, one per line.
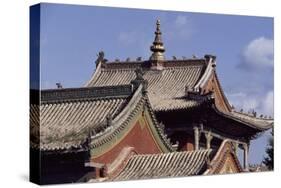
[{"x": 157, "y": 47}]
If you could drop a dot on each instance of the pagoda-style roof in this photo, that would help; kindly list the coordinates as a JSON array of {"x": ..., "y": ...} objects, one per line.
[
  {"x": 166, "y": 88},
  {"x": 179, "y": 85},
  {"x": 169, "y": 81},
  {"x": 132, "y": 166},
  {"x": 75, "y": 119},
  {"x": 67, "y": 115}
]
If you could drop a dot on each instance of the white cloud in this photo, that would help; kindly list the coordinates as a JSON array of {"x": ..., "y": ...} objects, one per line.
[
  {"x": 258, "y": 54},
  {"x": 261, "y": 103}
]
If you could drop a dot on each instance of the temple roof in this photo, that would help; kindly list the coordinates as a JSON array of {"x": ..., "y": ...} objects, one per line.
[
  {"x": 166, "y": 88},
  {"x": 252, "y": 121},
  {"x": 171, "y": 81},
  {"x": 174, "y": 164},
  {"x": 169, "y": 88},
  {"x": 70, "y": 117},
  {"x": 133, "y": 166},
  {"x": 67, "y": 115}
]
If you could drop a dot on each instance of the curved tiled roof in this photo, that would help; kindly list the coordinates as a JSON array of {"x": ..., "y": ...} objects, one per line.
[
  {"x": 165, "y": 86},
  {"x": 260, "y": 124},
  {"x": 65, "y": 123},
  {"x": 69, "y": 116},
  {"x": 174, "y": 164},
  {"x": 169, "y": 86}
]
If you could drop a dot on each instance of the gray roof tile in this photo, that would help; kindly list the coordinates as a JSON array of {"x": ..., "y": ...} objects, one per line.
[
  {"x": 65, "y": 124},
  {"x": 174, "y": 164},
  {"x": 165, "y": 87}
]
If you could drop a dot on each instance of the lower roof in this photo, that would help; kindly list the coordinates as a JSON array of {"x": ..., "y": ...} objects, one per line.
[
  {"x": 258, "y": 124},
  {"x": 174, "y": 164},
  {"x": 65, "y": 117},
  {"x": 133, "y": 166}
]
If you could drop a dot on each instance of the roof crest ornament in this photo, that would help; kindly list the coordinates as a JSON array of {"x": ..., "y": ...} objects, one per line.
[
  {"x": 139, "y": 80},
  {"x": 59, "y": 86},
  {"x": 139, "y": 74},
  {"x": 100, "y": 58}
]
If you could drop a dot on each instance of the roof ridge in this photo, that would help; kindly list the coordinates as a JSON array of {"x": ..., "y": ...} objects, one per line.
[
  {"x": 252, "y": 116},
  {"x": 207, "y": 73},
  {"x": 144, "y": 61},
  {"x": 85, "y": 93},
  {"x": 94, "y": 75},
  {"x": 173, "y": 153},
  {"x": 147, "y": 63}
]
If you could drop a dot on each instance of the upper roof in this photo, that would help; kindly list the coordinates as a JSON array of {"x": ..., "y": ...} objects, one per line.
[
  {"x": 171, "y": 81},
  {"x": 171, "y": 87},
  {"x": 166, "y": 88},
  {"x": 168, "y": 80}
]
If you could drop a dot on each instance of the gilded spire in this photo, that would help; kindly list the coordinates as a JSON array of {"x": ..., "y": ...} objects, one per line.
[{"x": 157, "y": 47}]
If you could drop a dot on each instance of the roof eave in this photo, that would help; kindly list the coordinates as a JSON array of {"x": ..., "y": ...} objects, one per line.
[{"x": 251, "y": 125}]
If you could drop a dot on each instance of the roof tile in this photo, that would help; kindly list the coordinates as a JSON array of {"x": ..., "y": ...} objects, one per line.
[{"x": 172, "y": 164}]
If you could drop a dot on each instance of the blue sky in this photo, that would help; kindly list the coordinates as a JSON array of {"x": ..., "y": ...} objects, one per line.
[{"x": 71, "y": 36}]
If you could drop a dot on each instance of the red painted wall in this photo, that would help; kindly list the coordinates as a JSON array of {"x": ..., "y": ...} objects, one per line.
[
  {"x": 213, "y": 85},
  {"x": 139, "y": 137}
]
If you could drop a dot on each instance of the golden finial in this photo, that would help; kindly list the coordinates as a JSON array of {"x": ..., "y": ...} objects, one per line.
[{"x": 157, "y": 47}]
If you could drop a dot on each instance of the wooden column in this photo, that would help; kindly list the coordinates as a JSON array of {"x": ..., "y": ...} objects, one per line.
[
  {"x": 196, "y": 137},
  {"x": 246, "y": 152},
  {"x": 209, "y": 138}
]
